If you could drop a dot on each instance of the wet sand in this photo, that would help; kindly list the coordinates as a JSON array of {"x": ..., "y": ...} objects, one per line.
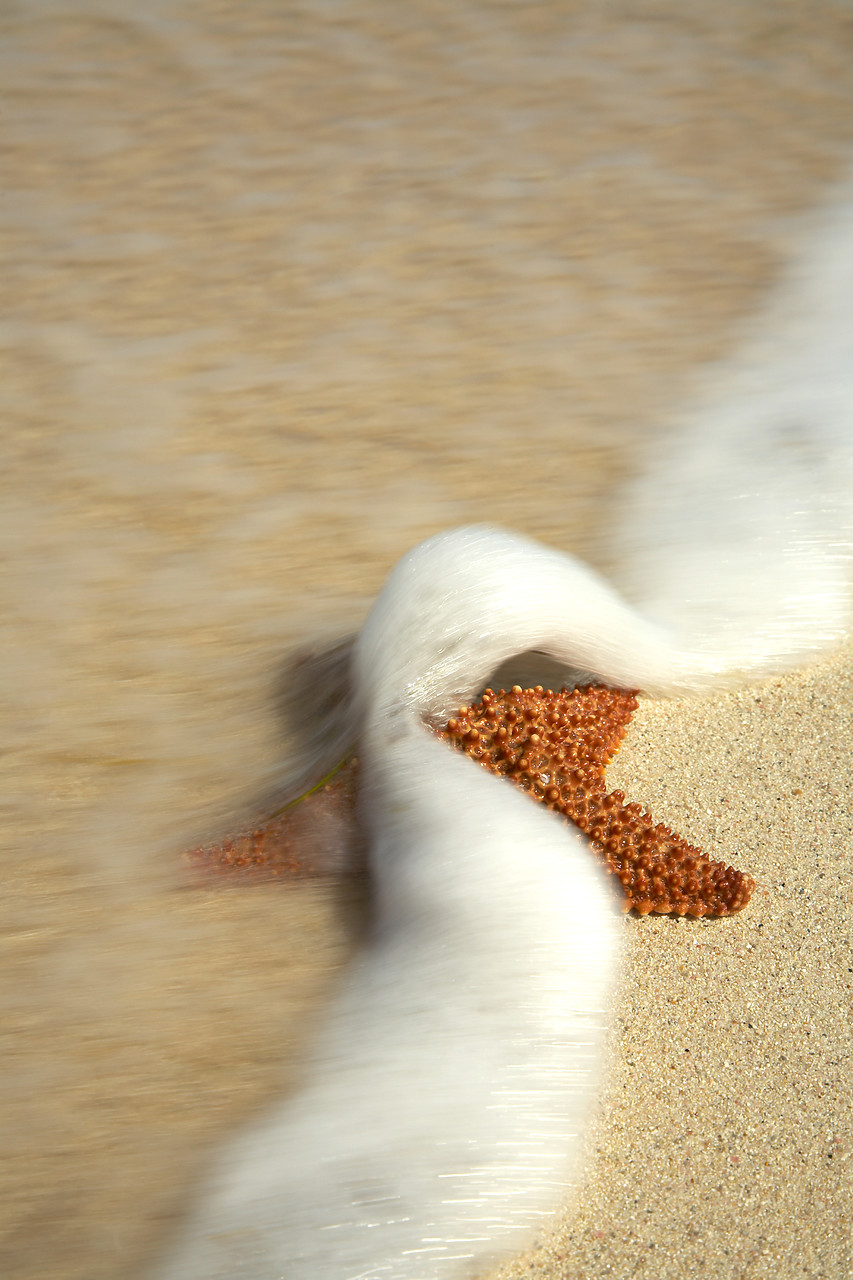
[{"x": 285, "y": 292}]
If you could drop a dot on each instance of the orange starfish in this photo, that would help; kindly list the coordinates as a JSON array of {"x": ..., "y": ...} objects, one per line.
[{"x": 555, "y": 746}]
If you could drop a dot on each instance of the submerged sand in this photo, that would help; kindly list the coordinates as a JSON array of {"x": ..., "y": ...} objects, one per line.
[{"x": 287, "y": 288}]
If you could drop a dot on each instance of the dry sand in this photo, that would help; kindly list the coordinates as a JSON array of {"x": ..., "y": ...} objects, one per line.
[
  {"x": 726, "y": 1140},
  {"x": 287, "y": 288}
]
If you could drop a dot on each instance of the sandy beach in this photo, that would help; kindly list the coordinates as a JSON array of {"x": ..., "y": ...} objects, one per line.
[{"x": 285, "y": 290}]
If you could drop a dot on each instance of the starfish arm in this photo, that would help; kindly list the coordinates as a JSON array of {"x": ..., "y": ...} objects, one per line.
[{"x": 556, "y": 746}]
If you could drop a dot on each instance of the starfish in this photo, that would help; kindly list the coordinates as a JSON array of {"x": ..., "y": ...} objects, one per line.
[{"x": 556, "y": 747}]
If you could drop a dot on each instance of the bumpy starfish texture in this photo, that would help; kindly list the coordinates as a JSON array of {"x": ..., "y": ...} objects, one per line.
[
  {"x": 556, "y": 746},
  {"x": 313, "y": 835}
]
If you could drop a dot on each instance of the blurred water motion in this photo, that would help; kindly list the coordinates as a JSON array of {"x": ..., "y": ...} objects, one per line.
[{"x": 286, "y": 289}]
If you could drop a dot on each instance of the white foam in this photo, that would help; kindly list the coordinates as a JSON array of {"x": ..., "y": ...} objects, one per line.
[
  {"x": 738, "y": 531},
  {"x": 450, "y": 1090}
]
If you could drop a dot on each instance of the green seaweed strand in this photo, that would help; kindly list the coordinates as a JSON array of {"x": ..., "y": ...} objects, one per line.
[{"x": 318, "y": 786}]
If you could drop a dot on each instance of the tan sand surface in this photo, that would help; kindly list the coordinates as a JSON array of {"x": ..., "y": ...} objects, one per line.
[{"x": 286, "y": 288}]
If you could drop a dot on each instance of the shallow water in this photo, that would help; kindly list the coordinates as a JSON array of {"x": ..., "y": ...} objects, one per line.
[{"x": 284, "y": 292}]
